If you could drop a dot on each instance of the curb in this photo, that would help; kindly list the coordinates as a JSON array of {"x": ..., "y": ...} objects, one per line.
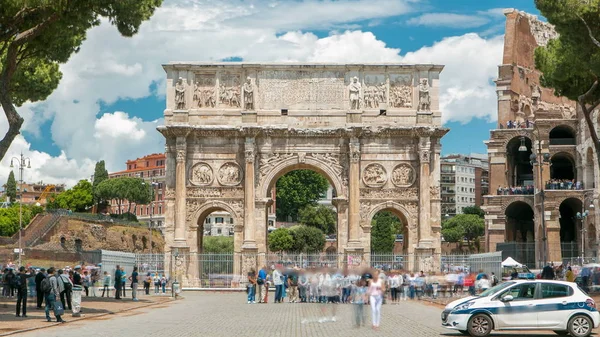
[{"x": 77, "y": 319}]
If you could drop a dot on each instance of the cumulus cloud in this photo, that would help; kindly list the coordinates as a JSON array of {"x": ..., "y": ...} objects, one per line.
[
  {"x": 109, "y": 68},
  {"x": 451, "y": 20}
]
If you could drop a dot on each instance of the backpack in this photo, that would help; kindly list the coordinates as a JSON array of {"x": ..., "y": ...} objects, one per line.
[
  {"x": 15, "y": 281},
  {"x": 294, "y": 280},
  {"x": 45, "y": 286},
  {"x": 67, "y": 284}
]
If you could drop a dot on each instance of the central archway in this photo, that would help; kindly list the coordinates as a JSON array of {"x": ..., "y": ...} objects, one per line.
[
  {"x": 519, "y": 169},
  {"x": 570, "y": 227}
]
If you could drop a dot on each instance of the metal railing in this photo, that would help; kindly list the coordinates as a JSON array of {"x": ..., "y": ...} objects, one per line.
[{"x": 563, "y": 141}]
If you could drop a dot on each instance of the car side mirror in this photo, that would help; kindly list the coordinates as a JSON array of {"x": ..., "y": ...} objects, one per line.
[{"x": 507, "y": 298}]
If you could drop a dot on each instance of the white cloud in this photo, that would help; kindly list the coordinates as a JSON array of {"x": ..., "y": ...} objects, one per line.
[
  {"x": 471, "y": 64},
  {"x": 110, "y": 67},
  {"x": 451, "y": 20}
]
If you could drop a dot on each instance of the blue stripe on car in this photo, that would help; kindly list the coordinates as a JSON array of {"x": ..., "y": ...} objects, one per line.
[{"x": 509, "y": 309}]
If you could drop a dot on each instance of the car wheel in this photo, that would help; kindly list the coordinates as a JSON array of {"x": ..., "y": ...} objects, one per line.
[
  {"x": 580, "y": 326},
  {"x": 480, "y": 325},
  {"x": 561, "y": 333}
]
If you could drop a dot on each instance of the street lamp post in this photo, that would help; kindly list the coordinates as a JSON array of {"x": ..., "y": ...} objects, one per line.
[
  {"x": 22, "y": 162},
  {"x": 543, "y": 158},
  {"x": 582, "y": 216}
]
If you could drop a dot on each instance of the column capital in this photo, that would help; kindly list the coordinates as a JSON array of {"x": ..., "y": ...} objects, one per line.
[
  {"x": 340, "y": 203},
  {"x": 181, "y": 154},
  {"x": 263, "y": 202},
  {"x": 249, "y": 150}
]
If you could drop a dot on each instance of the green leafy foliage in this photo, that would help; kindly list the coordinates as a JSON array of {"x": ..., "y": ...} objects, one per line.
[
  {"x": 9, "y": 218},
  {"x": 383, "y": 236},
  {"x": 296, "y": 190},
  {"x": 77, "y": 199},
  {"x": 100, "y": 175},
  {"x": 217, "y": 244},
  {"x": 320, "y": 216},
  {"x": 11, "y": 187},
  {"x": 134, "y": 190},
  {"x": 476, "y": 210},
  {"x": 469, "y": 227},
  {"x": 307, "y": 239},
  {"x": 390, "y": 217},
  {"x": 281, "y": 240},
  {"x": 36, "y": 36},
  {"x": 127, "y": 216}
]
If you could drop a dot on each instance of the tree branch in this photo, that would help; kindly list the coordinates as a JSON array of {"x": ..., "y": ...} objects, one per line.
[
  {"x": 596, "y": 42},
  {"x": 587, "y": 111}
]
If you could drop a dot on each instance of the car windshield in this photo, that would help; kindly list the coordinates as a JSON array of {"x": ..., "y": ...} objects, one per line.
[{"x": 496, "y": 289}]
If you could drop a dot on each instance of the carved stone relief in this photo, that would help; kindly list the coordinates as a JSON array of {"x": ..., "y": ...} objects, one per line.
[
  {"x": 180, "y": 94},
  {"x": 401, "y": 91},
  {"x": 229, "y": 90},
  {"x": 201, "y": 174},
  {"x": 204, "y": 91},
  {"x": 388, "y": 194},
  {"x": 434, "y": 192},
  {"x": 374, "y": 175},
  {"x": 424, "y": 97},
  {"x": 375, "y": 91},
  {"x": 269, "y": 160},
  {"x": 215, "y": 192},
  {"x": 230, "y": 174},
  {"x": 403, "y": 175},
  {"x": 354, "y": 91},
  {"x": 248, "y": 94}
]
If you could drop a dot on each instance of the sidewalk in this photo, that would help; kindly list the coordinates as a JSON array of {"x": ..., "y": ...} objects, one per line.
[{"x": 91, "y": 307}]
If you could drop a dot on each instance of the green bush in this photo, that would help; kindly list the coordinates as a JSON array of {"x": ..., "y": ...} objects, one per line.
[{"x": 125, "y": 216}]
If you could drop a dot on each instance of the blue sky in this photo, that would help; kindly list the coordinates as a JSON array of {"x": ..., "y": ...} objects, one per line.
[{"x": 111, "y": 97}]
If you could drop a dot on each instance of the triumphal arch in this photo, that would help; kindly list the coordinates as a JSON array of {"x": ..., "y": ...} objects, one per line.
[{"x": 232, "y": 129}]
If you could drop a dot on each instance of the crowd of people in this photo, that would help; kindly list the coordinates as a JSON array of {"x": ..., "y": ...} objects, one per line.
[
  {"x": 53, "y": 288},
  {"x": 359, "y": 287},
  {"x": 516, "y": 190},
  {"x": 564, "y": 184},
  {"x": 526, "y": 124}
]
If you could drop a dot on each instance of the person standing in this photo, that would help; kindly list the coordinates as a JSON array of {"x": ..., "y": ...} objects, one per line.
[
  {"x": 21, "y": 283},
  {"x": 118, "y": 282},
  {"x": 52, "y": 295},
  {"x": 359, "y": 297},
  {"x": 293, "y": 286},
  {"x": 376, "y": 291},
  {"x": 548, "y": 272},
  {"x": 570, "y": 276},
  {"x": 67, "y": 289},
  {"x": 261, "y": 283},
  {"x": 252, "y": 286},
  {"x": 86, "y": 281},
  {"x": 278, "y": 282},
  {"x": 156, "y": 284},
  {"x": 147, "y": 283},
  {"x": 134, "y": 283},
  {"x": 123, "y": 281},
  {"x": 38, "y": 283},
  {"x": 106, "y": 284}
]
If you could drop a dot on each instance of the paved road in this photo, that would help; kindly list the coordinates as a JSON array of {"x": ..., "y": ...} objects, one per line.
[{"x": 227, "y": 315}]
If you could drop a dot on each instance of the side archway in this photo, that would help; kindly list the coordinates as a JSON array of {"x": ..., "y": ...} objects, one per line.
[
  {"x": 199, "y": 216},
  {"x": 563, "y": 167},
  {"x": 406, "y": 217},
  {"x": 519, "y": 170}
]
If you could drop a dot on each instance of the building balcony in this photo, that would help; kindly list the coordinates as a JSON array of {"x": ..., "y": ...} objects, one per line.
[{"x": 448, "y": 192}]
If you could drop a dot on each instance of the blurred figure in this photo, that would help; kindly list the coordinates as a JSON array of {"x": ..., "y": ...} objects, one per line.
[
  {"x": 261, "y": 283},
  {"x": 278, "y": 282},
  {"x": 376, "y": 291},
  {"x": 328, "y": 293},
  {"x": 570, "y": 275},
  {"x": 251, "y": 286},
  {"x": 359, "y": 297}
]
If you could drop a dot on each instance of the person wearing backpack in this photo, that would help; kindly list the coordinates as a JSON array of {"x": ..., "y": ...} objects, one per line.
[
  {"x": 38, "y": 283},
  {"x": 20, "y": 281},
  {"x": 9, "y": 283},
  {"x": 50, "y": 286},
  {"x": 67, "y": 289}
]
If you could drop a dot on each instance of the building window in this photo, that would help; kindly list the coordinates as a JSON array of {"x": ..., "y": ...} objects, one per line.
[
  {"x": 219, "y": 220},
  {"x": 159, "y": 209},
  {"x": 219, "y": 231},
  {"x": 207, "y": 220},
  {"x": 231, "y": 220}
]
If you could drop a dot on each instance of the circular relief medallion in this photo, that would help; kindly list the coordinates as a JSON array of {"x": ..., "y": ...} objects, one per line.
[
  {"x": 403, "y": 175},
  {"x": 230, "y": 174},
  {"x": 202, "y": 174},
  {"x": 374, "y": 175}
]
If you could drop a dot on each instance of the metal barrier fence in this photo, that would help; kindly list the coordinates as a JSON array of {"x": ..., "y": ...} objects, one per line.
[{"x": 225, "y": 270}]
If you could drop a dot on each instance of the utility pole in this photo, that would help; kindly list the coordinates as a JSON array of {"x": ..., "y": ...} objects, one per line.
[{"x": 22, "y": 162}]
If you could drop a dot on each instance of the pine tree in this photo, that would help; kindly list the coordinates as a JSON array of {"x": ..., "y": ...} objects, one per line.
[
  {"x": 11, "y": 187},
  {"x": 100, "y": 175}
]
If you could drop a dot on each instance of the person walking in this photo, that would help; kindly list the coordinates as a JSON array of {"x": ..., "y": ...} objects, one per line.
[
  {"x": 376, "y": 291},
  {"x": 278, "y": 282},
  {"x": 156, "y": 284},
  {"x": 134, "y": 283},
  {"x": 41, "y": 275},
  {"x": 67, "y": 289},
  {"x": 52, "y": 293},
  {"x": 106, "y": 284},
  {"x": 147, "y": 284},
  {"x": 21, "y": 282},
  {"x": 261, "y": 283},
  {"x": 359, "y": 298},
  {"x": 293, "y": 286},
  {"x": 118, "y": 282}
]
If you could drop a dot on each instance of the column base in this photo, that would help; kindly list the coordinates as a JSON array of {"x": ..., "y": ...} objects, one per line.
[
  {"x": 250, "y": 246},
  {"x": 179, "y": 243},
  {"x": 425, "y": 259},
  {"x": 354, "y": 245},
  {"x": 425, "y": 244}
]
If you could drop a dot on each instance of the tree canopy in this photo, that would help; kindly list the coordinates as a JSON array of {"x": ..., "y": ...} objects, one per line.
[
  {"x": 78, "y": 199},
  {"x": 100, "y": 175},
  {"x": 475, "y": 210},
  {"x": 281, "y": 240},
  {"x": 469, "y": 227},
  {"x": 37, "y": 35},
  {"x": 11, "y": 187},
  {"x": 296, "y": 190},
  {"x": 307, "y": 239},
  {"x": 571, "y": 63},
  {"x": 217, "y": 244},
  {"x": 134, "y": 190},
  {"x": 321, "y": 217},
  {"x": 9, "y": 218}
]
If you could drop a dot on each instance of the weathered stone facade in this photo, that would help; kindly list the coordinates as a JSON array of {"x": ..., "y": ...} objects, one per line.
[
  {"x": 232, "y": 129},
  {"x": 533, "y": 123}
]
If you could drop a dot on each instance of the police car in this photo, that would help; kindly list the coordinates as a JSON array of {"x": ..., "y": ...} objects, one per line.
[{"x": 525, "y": 305}]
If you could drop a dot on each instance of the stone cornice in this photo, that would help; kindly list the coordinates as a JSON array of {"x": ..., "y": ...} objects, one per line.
[
  {"x": 283, "y": 131},
  {"x": 197, "y": 66}
]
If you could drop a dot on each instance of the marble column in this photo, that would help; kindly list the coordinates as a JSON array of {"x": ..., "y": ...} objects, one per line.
[
  {"x": 354, "y": 196},
  {"x": 249, "y": 196},
  {"x": 341, "y": 206},
  {"x": 425, "y": 240},
  {"x": 260, "y": 227},
  {"x": 180, "y": 191}
]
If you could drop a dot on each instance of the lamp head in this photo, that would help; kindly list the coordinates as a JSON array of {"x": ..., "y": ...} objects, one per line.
[{"x": 11, "y": 164}]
